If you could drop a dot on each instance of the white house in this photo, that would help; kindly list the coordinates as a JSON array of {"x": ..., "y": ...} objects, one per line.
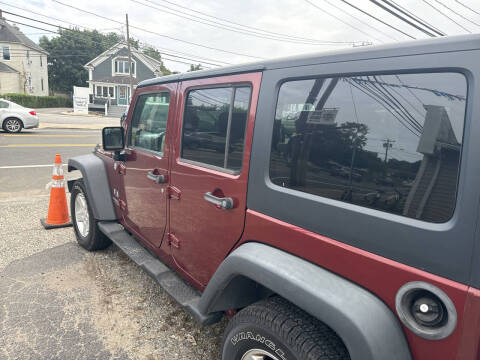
[{"x": 23, "y": 64}]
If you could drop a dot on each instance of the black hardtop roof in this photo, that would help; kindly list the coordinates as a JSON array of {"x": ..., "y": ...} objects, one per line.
[{"x": 416, "y": 47}]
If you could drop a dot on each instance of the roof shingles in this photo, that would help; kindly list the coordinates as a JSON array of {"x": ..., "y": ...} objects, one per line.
[
  {"x": 6, "y": 69},
  {"x": 9, "y": 33}
]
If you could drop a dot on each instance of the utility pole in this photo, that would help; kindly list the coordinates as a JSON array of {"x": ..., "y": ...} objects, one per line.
[
  {"x": 387, "y": 144},
  {"x": 129, "y": 60}
]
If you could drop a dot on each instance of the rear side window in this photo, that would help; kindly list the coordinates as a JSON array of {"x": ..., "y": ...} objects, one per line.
[
  {"x": 387, "y": 142},
  {"x": 3, "y": 104},
  {"x": 149, "y": 122},
  {"x": 215, "y": 120}
]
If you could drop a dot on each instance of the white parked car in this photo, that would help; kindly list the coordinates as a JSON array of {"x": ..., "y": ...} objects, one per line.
[{"x": 14, "y": 118}]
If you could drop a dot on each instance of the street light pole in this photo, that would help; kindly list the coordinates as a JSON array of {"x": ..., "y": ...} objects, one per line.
[{"x": 129, "y": 60}]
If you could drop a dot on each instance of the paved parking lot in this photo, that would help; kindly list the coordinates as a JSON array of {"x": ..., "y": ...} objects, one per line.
[{"x": 58, "y": 301}]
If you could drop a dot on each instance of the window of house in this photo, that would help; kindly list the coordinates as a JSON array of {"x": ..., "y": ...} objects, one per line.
[
  {"x": 105, "y": 91},
  {"x": 149, "y": 122},
  {"x": 41, "y": 82},
  {"x": 6, "y": 52},
  {"x": 28, "y": 54},
  {"x": 215, "y": 120},
  {"x": 41, "y": 61},
  {"x": 387, "y": 142},
  {"x": 121, "y": 67}
]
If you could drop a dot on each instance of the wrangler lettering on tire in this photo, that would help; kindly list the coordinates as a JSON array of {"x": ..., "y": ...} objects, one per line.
[{"x": 274, "y": 329}]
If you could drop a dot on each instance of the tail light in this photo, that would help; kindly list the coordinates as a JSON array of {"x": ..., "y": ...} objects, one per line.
[{"x": 32, "y": 113}]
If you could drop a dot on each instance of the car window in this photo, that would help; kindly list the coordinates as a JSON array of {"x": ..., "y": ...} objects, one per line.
[
  {"x": 3, "y": 104},
  {"x": 215, "y": 119},
  {"x": 387, "y": 142},
  {"x": 149, "y": 122}
]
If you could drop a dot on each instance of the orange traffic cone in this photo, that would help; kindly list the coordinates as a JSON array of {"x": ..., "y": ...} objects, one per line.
[{"x": 57, "y": 208}]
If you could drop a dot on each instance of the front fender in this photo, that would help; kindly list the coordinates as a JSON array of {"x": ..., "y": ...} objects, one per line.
[
  {"x": 366, "y": 325},
  {"x": 96, "y": 183}
]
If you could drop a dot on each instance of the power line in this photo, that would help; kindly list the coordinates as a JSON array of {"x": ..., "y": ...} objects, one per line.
[
  {"x": 158, "y": 34},
  {"x": 403, "y": 18},
  {"x": 235, "y": 23},
  {"x": 467, "y": 7},
  {"x": 379, "y": 20},
  {"x": 456, "y": 13},
  {"x": 72, "y": 55},
  {"x": 39, "y": 21},
  {"x": 412, "y": 16},
  {"x": 162, "y": 54},
  {"x": 229, "y": 27},
  {"x": 336, "y": 17},
  {"x": 361, "y": 21},
  {"x": 45, "y": 16},
  {"x": 237, "y": 30},
  {"x": 33, "y": 27},
  {"x": 81, "y": 26},
  {"x": 385, "y": 105},
  {"x": 448, "y": 17}
]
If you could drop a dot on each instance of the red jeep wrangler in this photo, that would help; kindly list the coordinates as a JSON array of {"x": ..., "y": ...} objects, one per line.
[{"x": 331, "y": 201}]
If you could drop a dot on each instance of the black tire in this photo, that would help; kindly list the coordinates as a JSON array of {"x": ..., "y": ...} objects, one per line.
[
  {"x": 19, "y": 126},
  {"x": 95, "y": 239},
  {"x": 281, "y": 330}
]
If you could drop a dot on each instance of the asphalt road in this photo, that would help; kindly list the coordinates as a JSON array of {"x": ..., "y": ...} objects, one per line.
[
  {"x": 58, "y": 301},
  {"x": 26, "y": 158}
]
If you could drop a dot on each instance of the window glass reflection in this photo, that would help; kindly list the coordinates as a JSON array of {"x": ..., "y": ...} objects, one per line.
[{"x": 388, "y": 142}]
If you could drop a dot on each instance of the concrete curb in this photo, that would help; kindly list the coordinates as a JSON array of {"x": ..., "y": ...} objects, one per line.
[{"x": 73, "y": 126}]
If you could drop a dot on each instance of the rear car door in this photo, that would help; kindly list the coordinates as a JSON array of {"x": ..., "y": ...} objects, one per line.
[
  {"x": 147, "y": 159},
  {"x": 210, "y": 170}
]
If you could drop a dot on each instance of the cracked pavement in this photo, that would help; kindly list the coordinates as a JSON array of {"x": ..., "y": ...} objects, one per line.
[{"x": 58, "y": 301}]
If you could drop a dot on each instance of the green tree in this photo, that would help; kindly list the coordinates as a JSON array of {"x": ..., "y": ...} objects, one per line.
[
  {"x": 70, "y": 51},
  {"x": 195, "y": 67},
  {"x": 155, "y": 54}
]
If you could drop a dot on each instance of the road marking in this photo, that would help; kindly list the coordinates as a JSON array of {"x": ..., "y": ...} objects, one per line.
[
  {"x": 46, "y": 145},
  {"x": 26, "y": 166},
  {"x": 46, "y": 135}
]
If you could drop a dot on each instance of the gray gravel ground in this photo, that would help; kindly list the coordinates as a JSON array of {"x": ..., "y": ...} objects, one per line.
[{"x": 58, "y": 301}]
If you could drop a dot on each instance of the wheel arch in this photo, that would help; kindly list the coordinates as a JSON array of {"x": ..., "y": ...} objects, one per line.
[
  {"x": 96, "y": 183},
  {"x": 254, "y": 271}
]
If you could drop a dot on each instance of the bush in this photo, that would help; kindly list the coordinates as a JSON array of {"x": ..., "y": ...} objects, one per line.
[{"x": 32, "y": 101}]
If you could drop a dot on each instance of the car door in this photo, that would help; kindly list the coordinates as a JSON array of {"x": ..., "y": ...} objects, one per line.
[
  {"x": 209, "y": 183},
  {"x": 145, "y": 169}
]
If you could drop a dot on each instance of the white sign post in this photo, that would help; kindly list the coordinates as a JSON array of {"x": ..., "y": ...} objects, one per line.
[{"x": 80, "y": 100}]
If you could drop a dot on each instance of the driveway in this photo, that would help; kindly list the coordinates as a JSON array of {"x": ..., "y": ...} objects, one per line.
[{"x": 58, "y": 301}]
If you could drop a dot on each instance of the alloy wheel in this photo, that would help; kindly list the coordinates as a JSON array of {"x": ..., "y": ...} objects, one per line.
[
  {"x": 13, "y": 125},
  {"x": 258, "y": 354},
  {"x": 82, "y": 218}
]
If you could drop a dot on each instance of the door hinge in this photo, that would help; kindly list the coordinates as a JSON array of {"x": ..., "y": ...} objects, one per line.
[
  {"x": 173, "y": 241},
  {"x": 173, "y": 192}
]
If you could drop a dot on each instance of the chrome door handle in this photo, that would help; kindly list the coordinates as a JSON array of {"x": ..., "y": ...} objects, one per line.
[
  {"x": 224, "y": 203},
  {"x": 159, "y": 179}
]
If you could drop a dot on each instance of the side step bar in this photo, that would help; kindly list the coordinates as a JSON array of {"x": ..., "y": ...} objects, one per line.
[{"x": 183, "y": 293}]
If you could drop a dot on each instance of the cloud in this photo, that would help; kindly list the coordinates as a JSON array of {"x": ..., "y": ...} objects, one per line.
[{"x": 292, "y": 17}]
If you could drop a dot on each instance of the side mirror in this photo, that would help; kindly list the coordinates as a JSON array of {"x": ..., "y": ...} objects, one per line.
[{"x": 113, "y": 138}]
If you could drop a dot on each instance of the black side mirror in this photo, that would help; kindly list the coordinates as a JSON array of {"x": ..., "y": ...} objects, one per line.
[{"x": 113, "y": 138}]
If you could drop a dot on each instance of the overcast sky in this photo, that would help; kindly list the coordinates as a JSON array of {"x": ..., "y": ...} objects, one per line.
[{"x": 295, "y": 18}]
